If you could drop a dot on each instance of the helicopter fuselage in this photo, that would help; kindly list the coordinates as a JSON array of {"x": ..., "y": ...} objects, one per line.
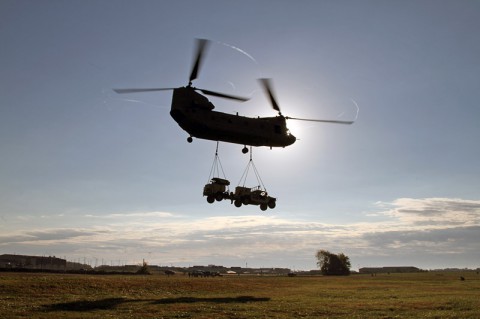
[{"x": 195, "y": 114}]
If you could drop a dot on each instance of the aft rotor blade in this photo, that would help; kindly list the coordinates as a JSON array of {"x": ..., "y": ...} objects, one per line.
[
  {"x": 267, "y": 86},
  {"x": 323, "y": 121},
  {"x": 123, "y": 91},
  {"x": 201, "y": 46},
  {"x": 226, "y": 96}
]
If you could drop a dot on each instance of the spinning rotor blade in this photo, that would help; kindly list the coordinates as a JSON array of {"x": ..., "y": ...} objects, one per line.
[
  {"x": 226, "y": 96},
  {"x": 268, "y": 89},
  {"x": 267, "y": 86},
  {"x": 123, "y": 91},
  {"x": 201, "y": 46},
  {"x": 324, "y": 121}
]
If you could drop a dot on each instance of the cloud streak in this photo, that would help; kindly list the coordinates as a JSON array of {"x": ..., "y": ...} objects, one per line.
[
  {"x": 415, "y": 227},
  {"x": 439, "y": 212}
]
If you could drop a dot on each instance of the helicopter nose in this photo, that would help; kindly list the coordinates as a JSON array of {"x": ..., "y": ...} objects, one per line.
[{"x": 291, "y": 139}]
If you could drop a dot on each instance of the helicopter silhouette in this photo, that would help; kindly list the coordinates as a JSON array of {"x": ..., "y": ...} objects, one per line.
[{"x": 195, "y": 114}]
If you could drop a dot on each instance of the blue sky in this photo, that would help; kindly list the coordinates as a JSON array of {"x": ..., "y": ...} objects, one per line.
[{"x": 86, "y": 173}]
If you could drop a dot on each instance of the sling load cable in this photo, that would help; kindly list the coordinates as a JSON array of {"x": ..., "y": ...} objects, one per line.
[
  {"x": 257, "y": 175},
  {"x": 216, "y": 187},
  {"x": 255, "y": 195},
  {"x": 216, "y": 167}
]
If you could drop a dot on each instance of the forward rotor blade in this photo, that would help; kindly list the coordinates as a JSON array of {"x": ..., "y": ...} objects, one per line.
[
  {"x": 123, "y": 91},
  {"x": 267, "y": 86},
  {"x": 226, "y": 96},
  {"x": 323, "y": 121},
  {"x": 201, "y": 46}
]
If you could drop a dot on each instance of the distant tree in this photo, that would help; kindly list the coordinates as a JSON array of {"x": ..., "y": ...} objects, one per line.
[
  {"x": 144, "y": 269},
  {"x": 332, "y": 264}
]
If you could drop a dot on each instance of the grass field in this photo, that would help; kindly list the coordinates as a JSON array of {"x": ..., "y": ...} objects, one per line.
[{"x": 423, "y": 295}]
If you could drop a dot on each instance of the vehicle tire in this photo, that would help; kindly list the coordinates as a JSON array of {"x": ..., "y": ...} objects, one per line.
[
  {"x": 263, "y": 206},
  {"x": 238, "y": 203},
  {"x": 246, "y": 201},
  {"x": 219, "y": 197},
  {"x": 210, "y": 199},
  {"x": 272, "y": 204}
]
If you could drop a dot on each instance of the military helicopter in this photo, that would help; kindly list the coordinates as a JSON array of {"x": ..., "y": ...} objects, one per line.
[{"x": 195, "y": 114}]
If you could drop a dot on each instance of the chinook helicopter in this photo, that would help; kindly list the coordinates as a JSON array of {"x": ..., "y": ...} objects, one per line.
[{"x": 195, "y": 114}]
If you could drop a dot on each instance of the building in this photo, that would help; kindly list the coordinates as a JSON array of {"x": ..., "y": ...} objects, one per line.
[{"x": 32, "y": 262}]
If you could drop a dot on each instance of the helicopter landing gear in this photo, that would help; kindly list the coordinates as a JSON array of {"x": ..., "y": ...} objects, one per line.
[
  {"x": 189, "y": 139},
  {"x": 245, "y": 150}
]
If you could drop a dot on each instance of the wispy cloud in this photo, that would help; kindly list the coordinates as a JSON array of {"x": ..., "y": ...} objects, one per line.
[
  {"x": 438, "y": 212},
  {"x": 49, "y": 235},
  {"x": 430, "y": 226},
  {"x": 130, "y": 215}
]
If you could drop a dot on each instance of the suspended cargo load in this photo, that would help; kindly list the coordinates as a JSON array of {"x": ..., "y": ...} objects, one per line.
[
  {"x": 253, "y": 196},
  {"x": 217, "y": 189}
]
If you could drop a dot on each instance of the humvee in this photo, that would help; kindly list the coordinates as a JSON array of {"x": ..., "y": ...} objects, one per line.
[{"x": 253, "y": 196}]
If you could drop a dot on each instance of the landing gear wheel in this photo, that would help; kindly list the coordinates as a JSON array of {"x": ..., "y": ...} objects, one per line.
[
  {"x": 189, "y": 139},
  {"x": 263, "y": 206},
  {"x": 245, "y": 150},
  {"x": 210, "y": 199},
  {"x": 219, "y": 197},
  {"x": 238, "y": 203},
  {"x": 246, "y": 201}
]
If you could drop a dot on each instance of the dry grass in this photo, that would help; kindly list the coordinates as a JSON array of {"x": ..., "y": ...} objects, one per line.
[{"x": 427, "y": 295}]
